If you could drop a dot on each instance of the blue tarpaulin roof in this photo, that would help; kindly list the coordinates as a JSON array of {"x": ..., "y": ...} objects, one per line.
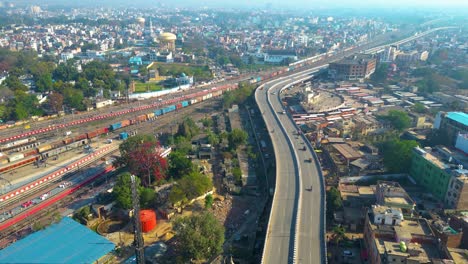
[
  {"x": 64, "y": 242},
  {"x": 460, "y": 117}
]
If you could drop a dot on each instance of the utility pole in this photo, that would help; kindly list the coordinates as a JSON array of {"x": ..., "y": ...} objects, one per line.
[{"x": 139, "y": 244}]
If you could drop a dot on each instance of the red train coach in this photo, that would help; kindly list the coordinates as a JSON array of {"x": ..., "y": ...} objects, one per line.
[{"x": 23, "y": 162}]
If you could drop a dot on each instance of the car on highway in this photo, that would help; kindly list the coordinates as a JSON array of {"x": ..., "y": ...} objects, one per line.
[{"x": 273, "y": 93}]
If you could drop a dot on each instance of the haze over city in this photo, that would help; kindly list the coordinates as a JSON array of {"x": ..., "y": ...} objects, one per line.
[
  {"x": 269, "y": 132},
  {"x": 293, "y": 4}
]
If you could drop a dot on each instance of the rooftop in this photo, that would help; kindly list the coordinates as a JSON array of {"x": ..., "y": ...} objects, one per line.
[
  {"x": 459, "y": 117},
  {"x": 459, "y": 255},
  {"x": 64, "y": 242},
  {"x": 347, "y": 152}
]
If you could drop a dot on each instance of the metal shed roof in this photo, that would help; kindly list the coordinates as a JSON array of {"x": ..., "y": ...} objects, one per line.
[{"x": 64, "y": 242}]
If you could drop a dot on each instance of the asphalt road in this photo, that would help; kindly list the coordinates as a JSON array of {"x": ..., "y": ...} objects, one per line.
[
  {"x": 296, "y": 226},
  {"x": 293, "y": 169}
]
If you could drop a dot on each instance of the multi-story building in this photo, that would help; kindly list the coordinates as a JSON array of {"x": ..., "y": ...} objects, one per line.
[
  {"x": 430, "y": 172},
  {"x": 440, "y": 171},
  {"x": 452, "y": 123},
  {"x": 353, "y": 68},
  {"x": 457, "y": 193},
  {"x": 459, "y": 221},
  {"x": 447, "y": 235},
  {"x": 391, "y": 194},
  {"x": 391, "y": 238},
  {"x": 366, "y": 124}
]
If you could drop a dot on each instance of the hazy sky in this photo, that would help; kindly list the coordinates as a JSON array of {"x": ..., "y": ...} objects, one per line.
[{"x": 307, "y": 4}]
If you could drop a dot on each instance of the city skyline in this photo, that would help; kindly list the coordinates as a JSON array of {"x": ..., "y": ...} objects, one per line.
[{"x": 313, "y": 4}]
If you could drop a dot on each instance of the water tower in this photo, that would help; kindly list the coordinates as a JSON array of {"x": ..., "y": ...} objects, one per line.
[
  {"x": 141, "y": 21},
  {"x": 167, "y": 41}
]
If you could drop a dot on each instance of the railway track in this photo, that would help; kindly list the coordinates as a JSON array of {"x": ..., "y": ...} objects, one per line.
[
  {"x": 32, "y": 193},
  {"x": 146, "y": 127}
]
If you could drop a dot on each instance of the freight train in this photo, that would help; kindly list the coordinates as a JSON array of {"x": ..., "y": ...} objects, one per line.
[
  {"x": 45, "y": 151},
  {"x": 48, "y": 150}
]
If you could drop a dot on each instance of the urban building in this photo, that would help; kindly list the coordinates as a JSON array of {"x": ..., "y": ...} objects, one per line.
[
  {"x": 430, "y": 172},
  {"x": 278, "y": 56},
  {"x": 391, "y": 238},
  {"x": 447, "y": 235},
  {"x": 451, "y": 124},
  {"x": 459, "y": 221},
  {"x": 457, "y": 192},
  {"x": 391, "y": 194},
  {"x": 462, "y": 142},
  {"x": 440, "y": 171},
  {"x": 356, "y": 67}
]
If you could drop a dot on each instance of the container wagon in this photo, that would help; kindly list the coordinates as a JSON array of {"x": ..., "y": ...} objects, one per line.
[
  {"x": 67, "y": 141},
  {"x": 115, "y": 126},
  {"x": 123, "y": 135},
  {"x": 125, "y": 123},
  {"x": 79, "y": 137},
  {"x": 185, "y": 103},
  {"x": 44, "y": 148},
  {"x": 142, "y": 118},
  {"x": 158, "y": 112}
]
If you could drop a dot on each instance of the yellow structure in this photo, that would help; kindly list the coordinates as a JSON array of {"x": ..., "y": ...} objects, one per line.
[
  {"x": 167, "y": 41},
  {"x": 141, "y": 21}
]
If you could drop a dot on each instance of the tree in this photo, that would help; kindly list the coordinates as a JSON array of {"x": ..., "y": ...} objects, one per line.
[
  {"x": 397, "y": 154},
  {"x": 179, "y": 165},
  {"x": 65, "y": 72},
  {"x": 147, "y": 198},
  {"x": 237, "y": 173},
  {"x": 418, "y": 108},
  {"x": 380, "y": 74},
  {"x": 190, "y": 186},
  {"x": 132, "y": 143},
  {"x": 183, "y": 145},
  {"x": 44, "y": 83},
  {"x": 146, "y": 162},
  {"x": 199, "y": 236},
  {"x": 207, "y": 122},
  {"x": 14, "y": 83},
  {"x": 188, "y": 128},
  {"x": 73, "y": 98},
  {"x": 236, "y": 138},
  {"x": 213, "y": 139},
  {"x": 338, "y": 234},
  {"x": 399, "y": 119},
  {"x": 56, "y": 101},
  {"x": 209, "y": 201},
  {"x": 122, "y": 190},
  {"x": 334, "y": 202}
]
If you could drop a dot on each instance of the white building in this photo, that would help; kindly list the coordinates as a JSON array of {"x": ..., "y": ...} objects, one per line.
[
  {"x": 66, "y": 56},
  {"x": 278, "y": 56},
  {"x": 462, "y": 142},
  {"x": 384, "y": 215}
]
